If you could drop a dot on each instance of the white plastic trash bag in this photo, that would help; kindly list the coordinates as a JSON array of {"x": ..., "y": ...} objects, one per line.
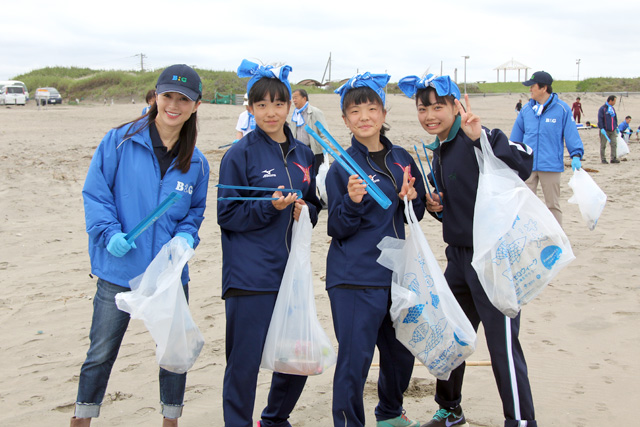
[
  {"x": 518, "y": 246},
  {"x": 622, "y": 149},
  {"x": 426, "y": 316},
  {"x": 296, "y": 343},
  {"x": 588, "y": 196},
  {"x": 322, "y": 177},
  {"x": 158, "y": 299}
]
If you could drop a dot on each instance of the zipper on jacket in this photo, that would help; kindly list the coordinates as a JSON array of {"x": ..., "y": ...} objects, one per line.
[
  {"x": 393, "y": 180},
  {"x": 289, "y": 225}
]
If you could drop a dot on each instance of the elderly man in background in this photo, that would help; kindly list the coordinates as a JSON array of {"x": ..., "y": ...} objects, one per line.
[{"x": 306, "y": 114}]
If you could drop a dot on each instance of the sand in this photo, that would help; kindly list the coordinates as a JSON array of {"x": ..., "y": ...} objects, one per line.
[{"x": 580, "y": 336}]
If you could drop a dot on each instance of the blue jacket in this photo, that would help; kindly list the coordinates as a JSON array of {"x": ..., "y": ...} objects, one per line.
[
  {"x": 357, "y": 228},
  {"x": 624, "y": 126},
  {"x": 548, "y": 133},
  {"x": 123, "y": 186},
  {"x": 457, "y": 173},
  {"x": 605, "y": 120},
  {"x": 255, "y": 235}
]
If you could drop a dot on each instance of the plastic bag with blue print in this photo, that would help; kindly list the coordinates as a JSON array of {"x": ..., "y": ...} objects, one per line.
[
  {"x": 518, "y": 245},
  {"x": 427, "y": 319},
  {"x": 157, "y": 298},
  {"x": 296, "y": 343}
]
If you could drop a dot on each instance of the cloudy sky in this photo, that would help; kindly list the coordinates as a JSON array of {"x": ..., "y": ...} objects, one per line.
[{"x": 397, "y": 37}]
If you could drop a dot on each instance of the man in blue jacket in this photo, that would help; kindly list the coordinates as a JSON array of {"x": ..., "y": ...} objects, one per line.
[
  {"x": 608, "y": 125},
  {"x": 545, "y": 124}
]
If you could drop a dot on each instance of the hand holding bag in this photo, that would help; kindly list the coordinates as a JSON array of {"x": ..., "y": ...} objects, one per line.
[
  {"x": 518, "y": 246},
  {"x": 588, "y": 196},
  {"x": 157, "y": 298},
  {"x": 428, "y": 320},
  {"x": 296, "y": 343}
]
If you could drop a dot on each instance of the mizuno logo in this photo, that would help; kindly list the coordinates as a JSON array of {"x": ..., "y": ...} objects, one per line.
[{"x": 268, "y": 173}]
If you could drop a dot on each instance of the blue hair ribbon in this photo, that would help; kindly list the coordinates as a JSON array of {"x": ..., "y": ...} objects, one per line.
[
  {"x": 377, "y": 82},
  {"x": 256, "y": 72},
  {"x": 443, "y": 85}
]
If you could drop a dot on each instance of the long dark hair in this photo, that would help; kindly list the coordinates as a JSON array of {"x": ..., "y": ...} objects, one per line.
[
  {"x": 186, "y": 141},
  {"x": 361, "y": 95}
]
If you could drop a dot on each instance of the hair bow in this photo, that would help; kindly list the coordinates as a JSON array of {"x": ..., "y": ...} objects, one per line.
[
  {"x": 377, "y": 82},
  {"x": 256, "y": 72},
  {"x": 443, "y": 85}
]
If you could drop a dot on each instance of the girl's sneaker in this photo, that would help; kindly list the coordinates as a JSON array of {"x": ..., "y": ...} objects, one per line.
[
  {"x": 401, "y": 421},
  {"x": 448, "y": 418}
]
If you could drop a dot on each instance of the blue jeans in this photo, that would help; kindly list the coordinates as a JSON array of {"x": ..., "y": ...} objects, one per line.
[{"x": 108, "y": 326}]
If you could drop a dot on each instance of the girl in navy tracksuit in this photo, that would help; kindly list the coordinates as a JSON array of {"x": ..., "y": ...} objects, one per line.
[
  {"x": 256, "y": 237},
  {"x": 456, "y": 172},
  {"x": 359, "y": 287}
]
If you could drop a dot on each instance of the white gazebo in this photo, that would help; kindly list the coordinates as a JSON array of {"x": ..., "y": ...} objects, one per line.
[{"x": 511, "y": 65}]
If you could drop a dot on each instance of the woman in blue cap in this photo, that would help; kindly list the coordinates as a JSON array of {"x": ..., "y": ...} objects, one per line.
[
  {"x": 359, "y": 288},
  {"x": 456, "y": 171},
  {"x": 256, "y": 238},
  {"x": 135, "y": 167}
]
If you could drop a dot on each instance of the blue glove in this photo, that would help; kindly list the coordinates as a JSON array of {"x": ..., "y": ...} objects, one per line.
[
  {"x": 188, "y": 237},
  {"x": 118, "y": 245},
  {"x": 575, "y": 163}
]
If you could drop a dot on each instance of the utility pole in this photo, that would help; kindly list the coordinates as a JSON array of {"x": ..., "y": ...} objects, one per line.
[
  {"x": 465, "y": 73},
  {"x": 327, "y": 67},
  {"x": 142, "y": 56},
  {"x": 578, "y": 64}
]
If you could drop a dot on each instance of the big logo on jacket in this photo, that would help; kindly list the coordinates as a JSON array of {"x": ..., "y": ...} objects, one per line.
[{"x": 305, "y": 171}]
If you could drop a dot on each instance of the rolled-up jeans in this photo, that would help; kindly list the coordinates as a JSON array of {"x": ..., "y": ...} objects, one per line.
[{"x": 108, "y": 326}]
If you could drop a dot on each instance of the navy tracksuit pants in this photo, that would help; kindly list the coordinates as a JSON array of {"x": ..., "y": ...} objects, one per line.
[
  {"x": 361, "y": 322},
  {"x": 248, "y": 319},
  {"x": 507, "y": 358}
]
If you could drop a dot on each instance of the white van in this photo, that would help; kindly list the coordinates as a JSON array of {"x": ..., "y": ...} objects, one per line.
[
  {"x": 12, "y": 95},
  {"x": 13, "y": 83}
]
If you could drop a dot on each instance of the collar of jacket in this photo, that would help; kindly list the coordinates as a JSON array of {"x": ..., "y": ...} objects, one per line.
[
  {"x": 141, "y": 135},
  {"x": 364, "y": 150},
  {"x": 452, "y": 132},
  {"x": 267, "y": 138},
  {"x": 547, "y": 105}
]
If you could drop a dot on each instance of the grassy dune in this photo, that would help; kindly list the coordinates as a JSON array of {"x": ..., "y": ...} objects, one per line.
[{"x": 95, "y": 85}]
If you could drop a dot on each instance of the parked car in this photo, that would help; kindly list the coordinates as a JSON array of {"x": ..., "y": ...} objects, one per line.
[
  {"x": 48, "y": 95},
  {"x": 13, "y": 95},
  {"x": 14, "y": 83}
]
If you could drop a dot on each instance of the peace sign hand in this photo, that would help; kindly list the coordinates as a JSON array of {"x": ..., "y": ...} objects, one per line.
[{"x": 470, "y": 123}]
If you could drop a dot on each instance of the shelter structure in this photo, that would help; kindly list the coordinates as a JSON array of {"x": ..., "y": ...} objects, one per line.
[{"x": 511, "y": 65}]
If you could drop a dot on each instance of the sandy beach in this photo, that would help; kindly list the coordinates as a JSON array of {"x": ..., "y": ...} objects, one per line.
[{"x": 581, "y": 336}]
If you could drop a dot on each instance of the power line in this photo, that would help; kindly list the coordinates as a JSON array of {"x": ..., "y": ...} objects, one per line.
[{"x": 142, "y": 56}]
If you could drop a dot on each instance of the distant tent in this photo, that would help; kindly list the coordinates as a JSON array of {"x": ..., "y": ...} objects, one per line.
[
  {"x": 512, "y": 65},
  {"x": 310, "y": 82}
]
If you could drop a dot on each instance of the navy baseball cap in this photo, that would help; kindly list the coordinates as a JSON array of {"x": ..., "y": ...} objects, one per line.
[
  {"x": 182, "y": 79},
  {"x": 540, "y": 77}
]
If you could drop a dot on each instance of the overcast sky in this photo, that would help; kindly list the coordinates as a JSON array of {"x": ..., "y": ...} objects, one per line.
[{"x": 397, "y": 37}]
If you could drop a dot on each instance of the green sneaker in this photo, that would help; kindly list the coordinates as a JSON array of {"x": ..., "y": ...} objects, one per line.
[
  {"x": 448, "y": 418},
  {"x": 401, "y": 421}
]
